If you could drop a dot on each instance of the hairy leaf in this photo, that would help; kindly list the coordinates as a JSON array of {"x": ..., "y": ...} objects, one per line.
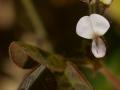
[
  {"x": 19, "y": 52},
  {"x": 76, "y": 78},
  {"x": 25, "y": 85},
  {"x": 39, "y": 79}
]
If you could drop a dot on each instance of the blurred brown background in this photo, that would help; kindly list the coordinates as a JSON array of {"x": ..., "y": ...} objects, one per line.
[{"x": 59, "y": 18}]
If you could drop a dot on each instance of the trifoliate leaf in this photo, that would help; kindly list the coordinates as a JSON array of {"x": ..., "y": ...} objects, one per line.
[{"x": 20, "y": 51}]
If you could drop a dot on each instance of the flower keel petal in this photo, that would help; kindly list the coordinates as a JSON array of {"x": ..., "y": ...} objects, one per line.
[{"x": 98, "y": 48}]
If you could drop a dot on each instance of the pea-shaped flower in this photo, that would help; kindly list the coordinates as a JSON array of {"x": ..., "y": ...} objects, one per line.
[{"x": 92, "y": 27}]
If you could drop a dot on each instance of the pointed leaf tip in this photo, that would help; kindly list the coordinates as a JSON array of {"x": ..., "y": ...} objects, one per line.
[{"x": 19, "y": 57}]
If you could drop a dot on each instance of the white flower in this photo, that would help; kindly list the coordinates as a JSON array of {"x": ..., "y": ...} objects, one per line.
[
  {"x": 92, "y": 27},
  {"x": 107, "y": 2}
]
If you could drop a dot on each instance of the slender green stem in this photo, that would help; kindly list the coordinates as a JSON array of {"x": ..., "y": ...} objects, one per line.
[
  {"x": 41, "y": 34},
  {"x": 92, "y": 7},
  {"x": 37, "y": 24},
  {"x": 35, "y": 19},
  {"x": 95, "y": 7}
]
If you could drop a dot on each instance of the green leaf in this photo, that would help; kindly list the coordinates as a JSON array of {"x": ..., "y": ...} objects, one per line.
[
  {"x": 76, "y": 78},
  {"x": 19, "y": 53}
]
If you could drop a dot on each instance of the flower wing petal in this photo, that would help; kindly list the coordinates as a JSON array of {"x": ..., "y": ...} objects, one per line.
[
  {"x": 84, "y": 28},
  {"x": 100, "y": 24}
]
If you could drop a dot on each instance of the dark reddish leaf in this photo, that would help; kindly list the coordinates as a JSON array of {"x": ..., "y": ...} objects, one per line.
[
  {"x": 76, "y": 78},
  {"x": 20, "y": 53}
]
